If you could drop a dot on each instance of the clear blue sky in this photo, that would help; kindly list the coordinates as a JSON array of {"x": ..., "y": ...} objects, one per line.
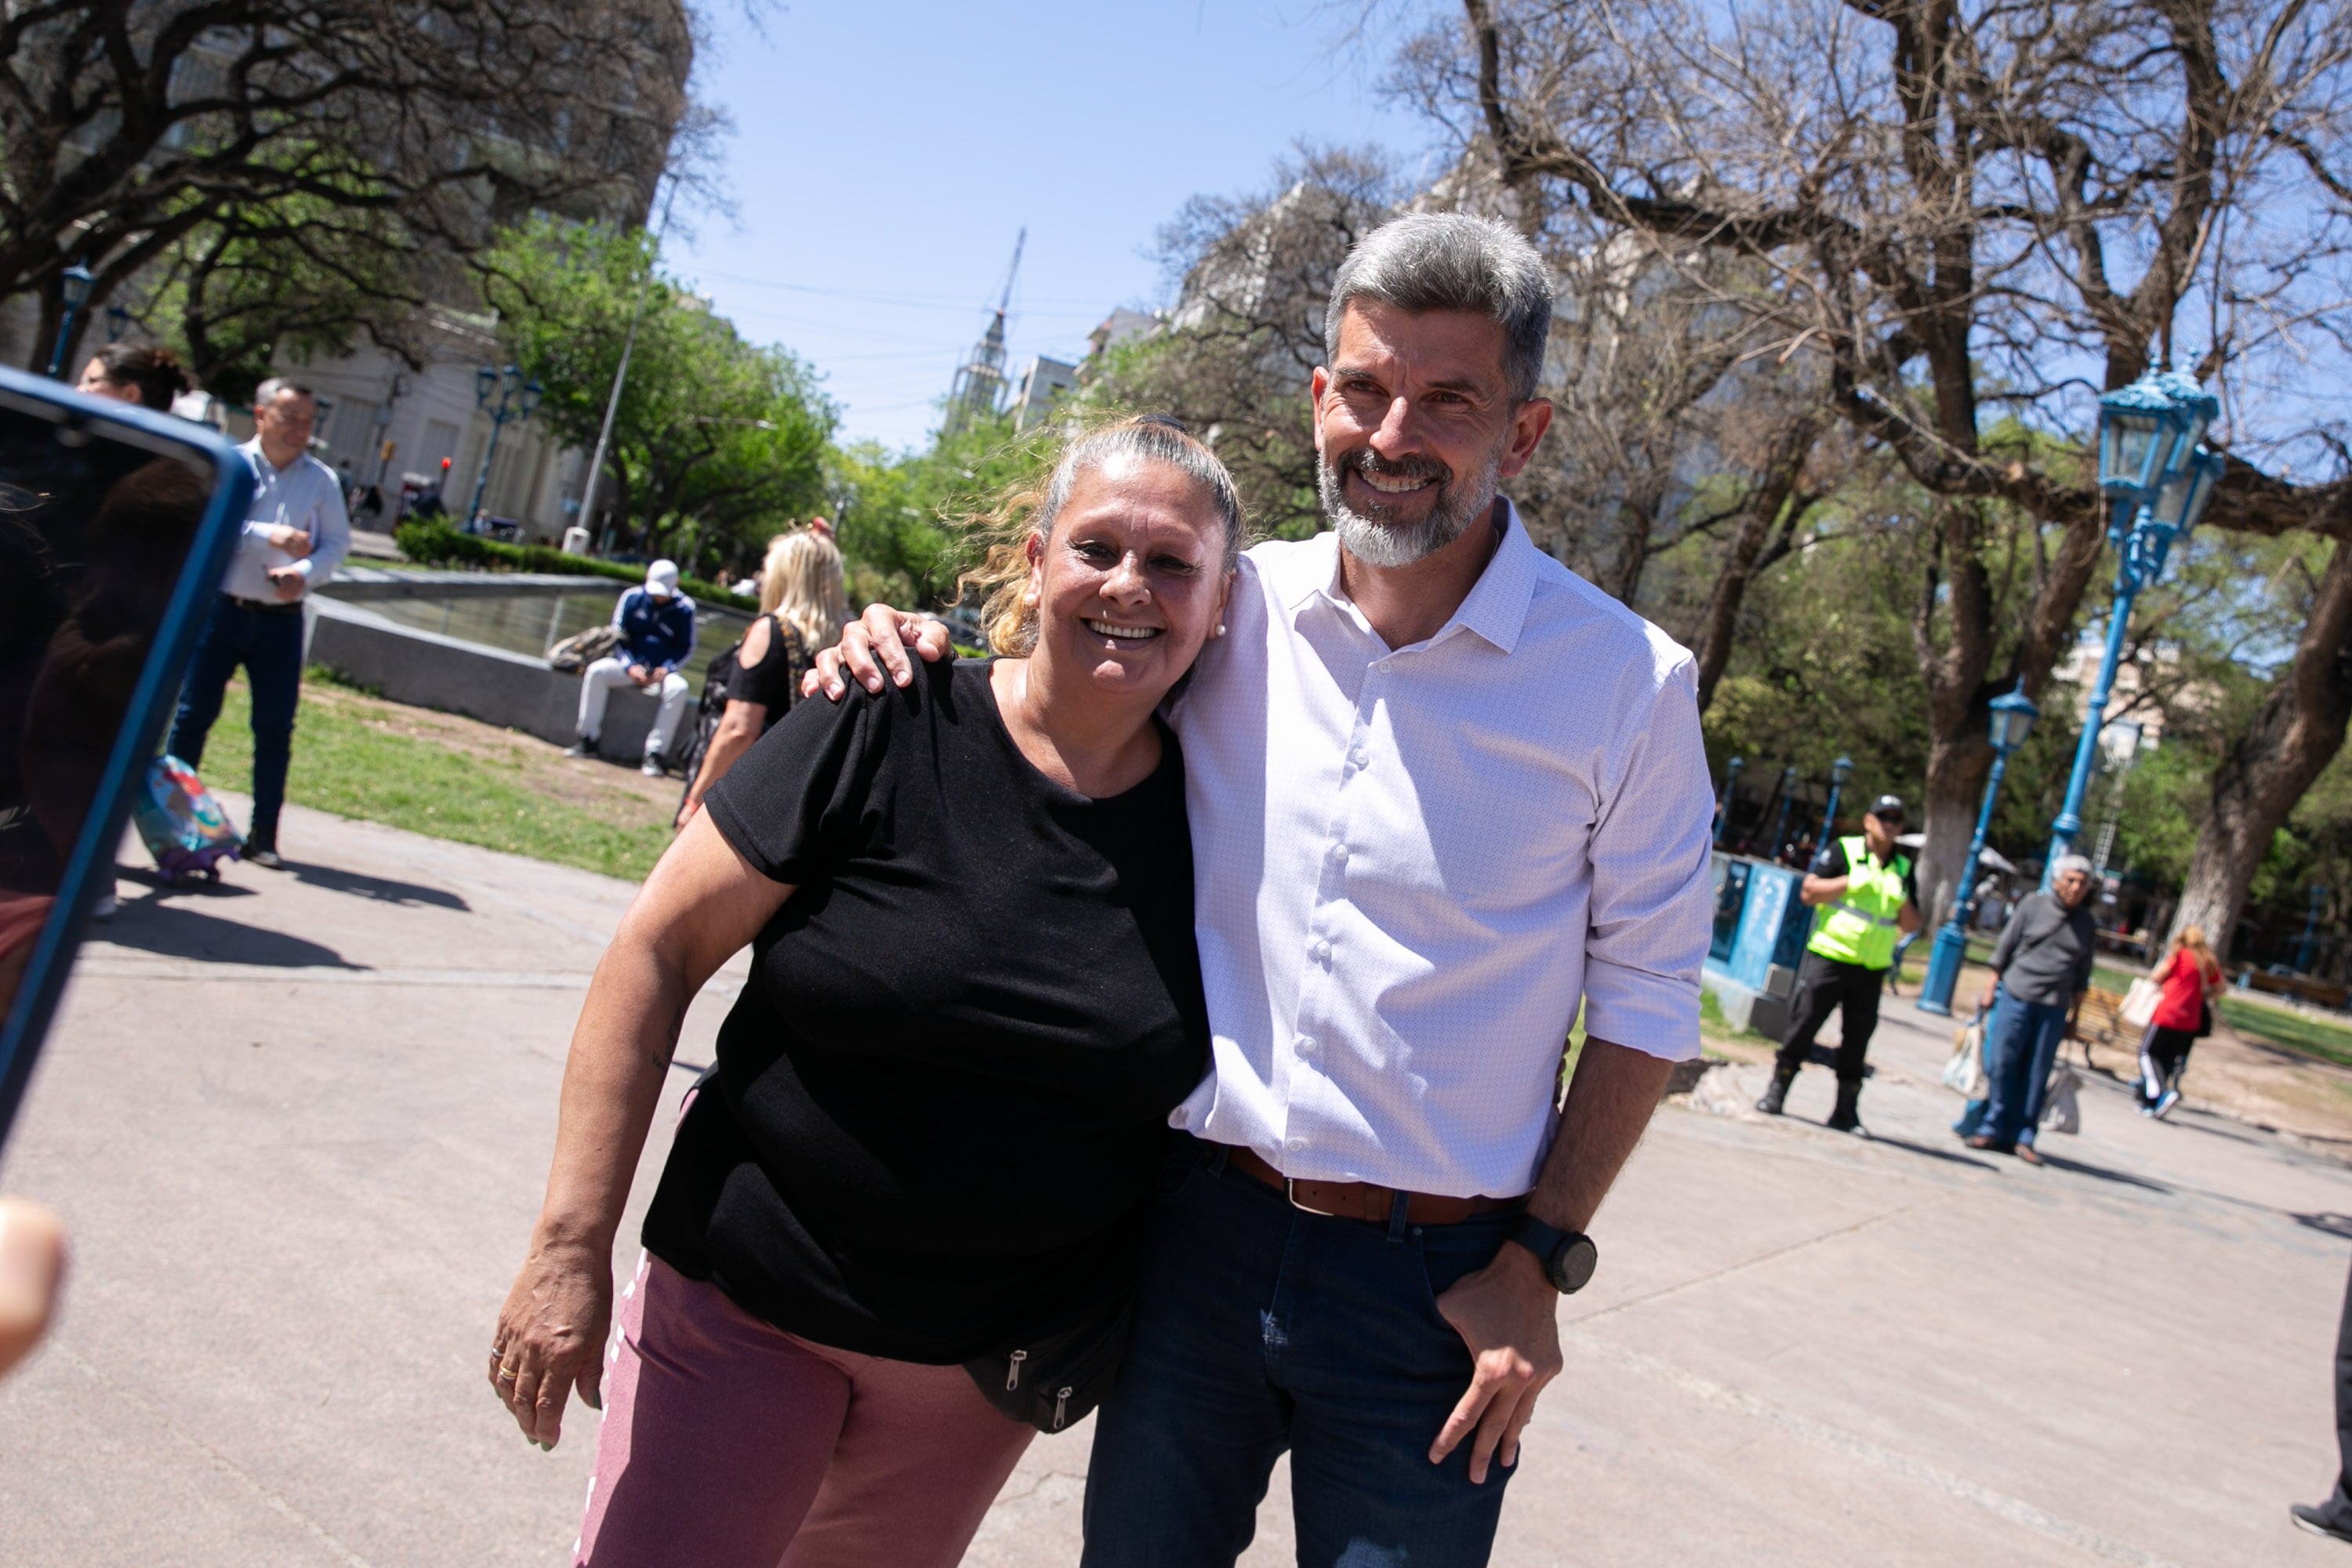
[{"x": 886, "y": 153}]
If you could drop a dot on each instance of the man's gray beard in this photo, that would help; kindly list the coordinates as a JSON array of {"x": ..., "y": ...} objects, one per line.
[{"x": 1379, "y": 543}]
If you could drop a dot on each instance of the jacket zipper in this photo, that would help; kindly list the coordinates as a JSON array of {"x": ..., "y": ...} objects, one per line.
[{"x": 1012, "y": 1373}]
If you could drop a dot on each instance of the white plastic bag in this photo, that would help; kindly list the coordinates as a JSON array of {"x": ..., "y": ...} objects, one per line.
[
  {"x": 1964, "y": 1074},
  {"x": 2062, "y": 1111},
  {"x": 2139, "y": 1003}
]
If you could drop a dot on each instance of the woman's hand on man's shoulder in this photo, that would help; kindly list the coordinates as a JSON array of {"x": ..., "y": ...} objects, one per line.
[{"x": 873, "y": 650}]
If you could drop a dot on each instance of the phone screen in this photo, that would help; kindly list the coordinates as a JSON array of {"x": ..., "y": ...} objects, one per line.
[{"x": 112, "y": 527}]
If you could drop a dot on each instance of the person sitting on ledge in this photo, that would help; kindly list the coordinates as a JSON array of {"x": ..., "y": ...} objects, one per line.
[{"x": 657, "y": 626}]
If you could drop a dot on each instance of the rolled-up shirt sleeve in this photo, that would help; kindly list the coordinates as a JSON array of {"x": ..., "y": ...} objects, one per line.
[{"x": 1653, "y": 902}]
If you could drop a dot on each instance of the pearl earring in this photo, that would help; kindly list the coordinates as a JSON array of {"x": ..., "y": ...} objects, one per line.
[{"x": 1220, "y": 631}]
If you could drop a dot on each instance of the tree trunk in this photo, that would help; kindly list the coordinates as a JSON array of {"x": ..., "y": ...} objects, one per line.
[
  {"x": 2297, "y": 733},
  {"x": 1768, "y": 506},
  {"x": 1958, "y": 766}
]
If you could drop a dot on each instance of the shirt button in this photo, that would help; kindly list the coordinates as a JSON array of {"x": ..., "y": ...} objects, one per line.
[
  {"x": 1322, "y": 952},
  {"x": 1306, "y": 1045},
  {"x": 1296, "y": 1144},
  {"x": 1359, "y": 758},
  {"x": 1338, "y": 854}
]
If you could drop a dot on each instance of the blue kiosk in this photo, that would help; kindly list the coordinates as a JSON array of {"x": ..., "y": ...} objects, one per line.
[{"x": 1761, "y": 927}]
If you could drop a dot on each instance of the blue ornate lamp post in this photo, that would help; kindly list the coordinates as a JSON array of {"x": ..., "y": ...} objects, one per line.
[
  {"x": 2160, "y": 478},
  {"x": 1723, "y": 806},
  {"x": 73, "y": 289},
  {"x": 2012, "y": 720},
  {"x": 1841, "y": 774},
  {"x": 518, "y": 399},
  {"x": 1781, "y": 828}
]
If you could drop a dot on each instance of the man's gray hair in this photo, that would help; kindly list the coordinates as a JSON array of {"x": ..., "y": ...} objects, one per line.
[
  {"x": 266, "y": 393},
  {"x": 1451, "y": 261},
  {"x": 2066, "y": 863}
]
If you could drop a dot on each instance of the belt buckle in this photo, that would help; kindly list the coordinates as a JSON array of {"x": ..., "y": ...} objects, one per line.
[{"x": 1290, "y": 1196}]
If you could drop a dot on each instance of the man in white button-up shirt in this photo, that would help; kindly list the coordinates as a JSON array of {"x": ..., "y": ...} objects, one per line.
[
  {"x": 296, "y": 534},
  {"x": 1442, "y": 792}
]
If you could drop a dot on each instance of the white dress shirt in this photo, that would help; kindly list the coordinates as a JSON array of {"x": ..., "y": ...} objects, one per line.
[
  {"x": 1412, "y": 864},
  {"x": 305, "y": 495}
]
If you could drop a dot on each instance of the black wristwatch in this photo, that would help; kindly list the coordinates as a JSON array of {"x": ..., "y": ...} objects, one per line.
[{"x": 1567, "y": 1257}]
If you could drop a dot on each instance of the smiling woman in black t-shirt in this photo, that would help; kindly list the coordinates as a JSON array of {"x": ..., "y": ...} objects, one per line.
[{"x": 941, "y": 1098}]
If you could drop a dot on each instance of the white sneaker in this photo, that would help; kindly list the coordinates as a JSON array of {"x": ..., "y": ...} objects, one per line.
[
  {"x": 652, "y": 768},
  {"x": 104, "y": 907}
]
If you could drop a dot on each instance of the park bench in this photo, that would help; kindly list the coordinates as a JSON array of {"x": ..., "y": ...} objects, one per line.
[
  {"x": 2101, "y": 1023},
  {"x": 2317, "y": 992}
]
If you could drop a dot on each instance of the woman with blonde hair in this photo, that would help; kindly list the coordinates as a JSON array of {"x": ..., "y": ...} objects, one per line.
[
  {"x": 2188, "y": 982},
  {"x": 899, "y": 1224},
  {"x": 802, "y": 605}
]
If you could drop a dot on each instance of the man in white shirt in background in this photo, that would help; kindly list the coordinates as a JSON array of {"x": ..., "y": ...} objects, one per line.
[
  {"x": 296, "y": 534},
  {"x": 1441, "y": 791}
]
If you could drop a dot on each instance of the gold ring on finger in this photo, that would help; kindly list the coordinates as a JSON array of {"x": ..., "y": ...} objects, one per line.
[{"x": 506, "y": 1375}]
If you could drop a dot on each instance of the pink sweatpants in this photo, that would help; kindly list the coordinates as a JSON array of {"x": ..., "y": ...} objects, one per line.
[{"x": 727, "y": 1443}]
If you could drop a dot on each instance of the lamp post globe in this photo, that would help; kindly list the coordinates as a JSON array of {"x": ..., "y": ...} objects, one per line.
[
  {"x": 2010, "y": 721},
  {"x": 2154, "y": 468},
  {"x": 74, "y": 285}
]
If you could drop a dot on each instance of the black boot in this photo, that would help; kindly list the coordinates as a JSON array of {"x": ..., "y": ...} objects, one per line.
[
  {"x": 1774, "y": 1096},
  {"x": 1847, "y": 1117},
  {"x": 583, "y": 746}
]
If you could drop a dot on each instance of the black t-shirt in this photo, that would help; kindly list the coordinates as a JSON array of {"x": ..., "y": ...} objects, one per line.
[
  {"x": 1833, "y": 861},
  {"x": 942, "y": 1097}
]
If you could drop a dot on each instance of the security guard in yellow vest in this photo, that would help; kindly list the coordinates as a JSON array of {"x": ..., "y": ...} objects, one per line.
[{"x": 1864, "y": 888}]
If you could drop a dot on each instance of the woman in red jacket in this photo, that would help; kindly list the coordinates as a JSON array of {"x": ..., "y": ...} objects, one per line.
[{"x": 2188, "y": 980}]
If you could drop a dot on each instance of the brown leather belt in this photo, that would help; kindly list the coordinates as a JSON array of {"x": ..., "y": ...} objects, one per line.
[{"x": 1361, "y": 1200}]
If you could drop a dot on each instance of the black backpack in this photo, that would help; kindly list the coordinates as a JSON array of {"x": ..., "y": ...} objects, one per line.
[{"x": 725, "y": 671}]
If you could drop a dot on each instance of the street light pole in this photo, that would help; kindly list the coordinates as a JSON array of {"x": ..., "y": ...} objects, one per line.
[
  {"x": 2012, "y": 720},
  {"x": 1787, "y": 794},
  {"x": 486, "y": 381},
  {"x": 621, "y": 375},
  {"x": 2151, "y": 464},
  {"x": 1841, "y": 774},
  {"x": 1723, "y": 806},
  {"x": 2310, "y": 929},
  {"x": 73, "y": 290}
]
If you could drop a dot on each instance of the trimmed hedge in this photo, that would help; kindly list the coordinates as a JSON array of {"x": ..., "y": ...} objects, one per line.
[{"x": 438, "y": 541}]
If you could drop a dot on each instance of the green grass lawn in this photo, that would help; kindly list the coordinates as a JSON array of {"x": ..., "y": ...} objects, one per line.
[
  {"x": 2115, "y": 980},
  {"x": 351, "y": 758},
  {"x": 2296, "y": 1031}
]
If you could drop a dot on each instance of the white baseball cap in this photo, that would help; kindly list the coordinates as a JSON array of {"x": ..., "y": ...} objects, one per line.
[{"x": 661, "y": 579}]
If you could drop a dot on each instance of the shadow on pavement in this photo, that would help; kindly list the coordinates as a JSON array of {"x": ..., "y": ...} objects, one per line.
[
  {"x": 383, "y": 889},
  {"x": 171, "y": 930},
  {"x": 147, "y": 877},
  {"x": 2060, "y": 1162},
  {"x": 1921, "y": 1149}
]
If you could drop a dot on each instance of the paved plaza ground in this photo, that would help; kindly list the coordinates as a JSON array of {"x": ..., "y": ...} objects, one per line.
[{"x": 299, "y": 1127}]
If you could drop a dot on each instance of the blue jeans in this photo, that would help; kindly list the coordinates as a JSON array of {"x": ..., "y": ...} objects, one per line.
[
  {"x": 1263, "y": 1327},
  {"x": 2025, "y": 1044},
  {"x": 269, "y": 643}
]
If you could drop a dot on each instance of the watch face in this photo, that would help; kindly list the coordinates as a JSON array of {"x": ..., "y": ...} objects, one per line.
[{"x": 1572, "y": 1265}]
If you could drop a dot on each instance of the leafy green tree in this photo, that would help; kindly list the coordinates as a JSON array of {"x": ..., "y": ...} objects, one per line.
[
  {"x": 907, "y": 520},
  {"x": 717, "y": 443}
]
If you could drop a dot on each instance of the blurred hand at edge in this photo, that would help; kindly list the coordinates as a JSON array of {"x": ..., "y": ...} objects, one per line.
[{"x": 32, "y": 1276}]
